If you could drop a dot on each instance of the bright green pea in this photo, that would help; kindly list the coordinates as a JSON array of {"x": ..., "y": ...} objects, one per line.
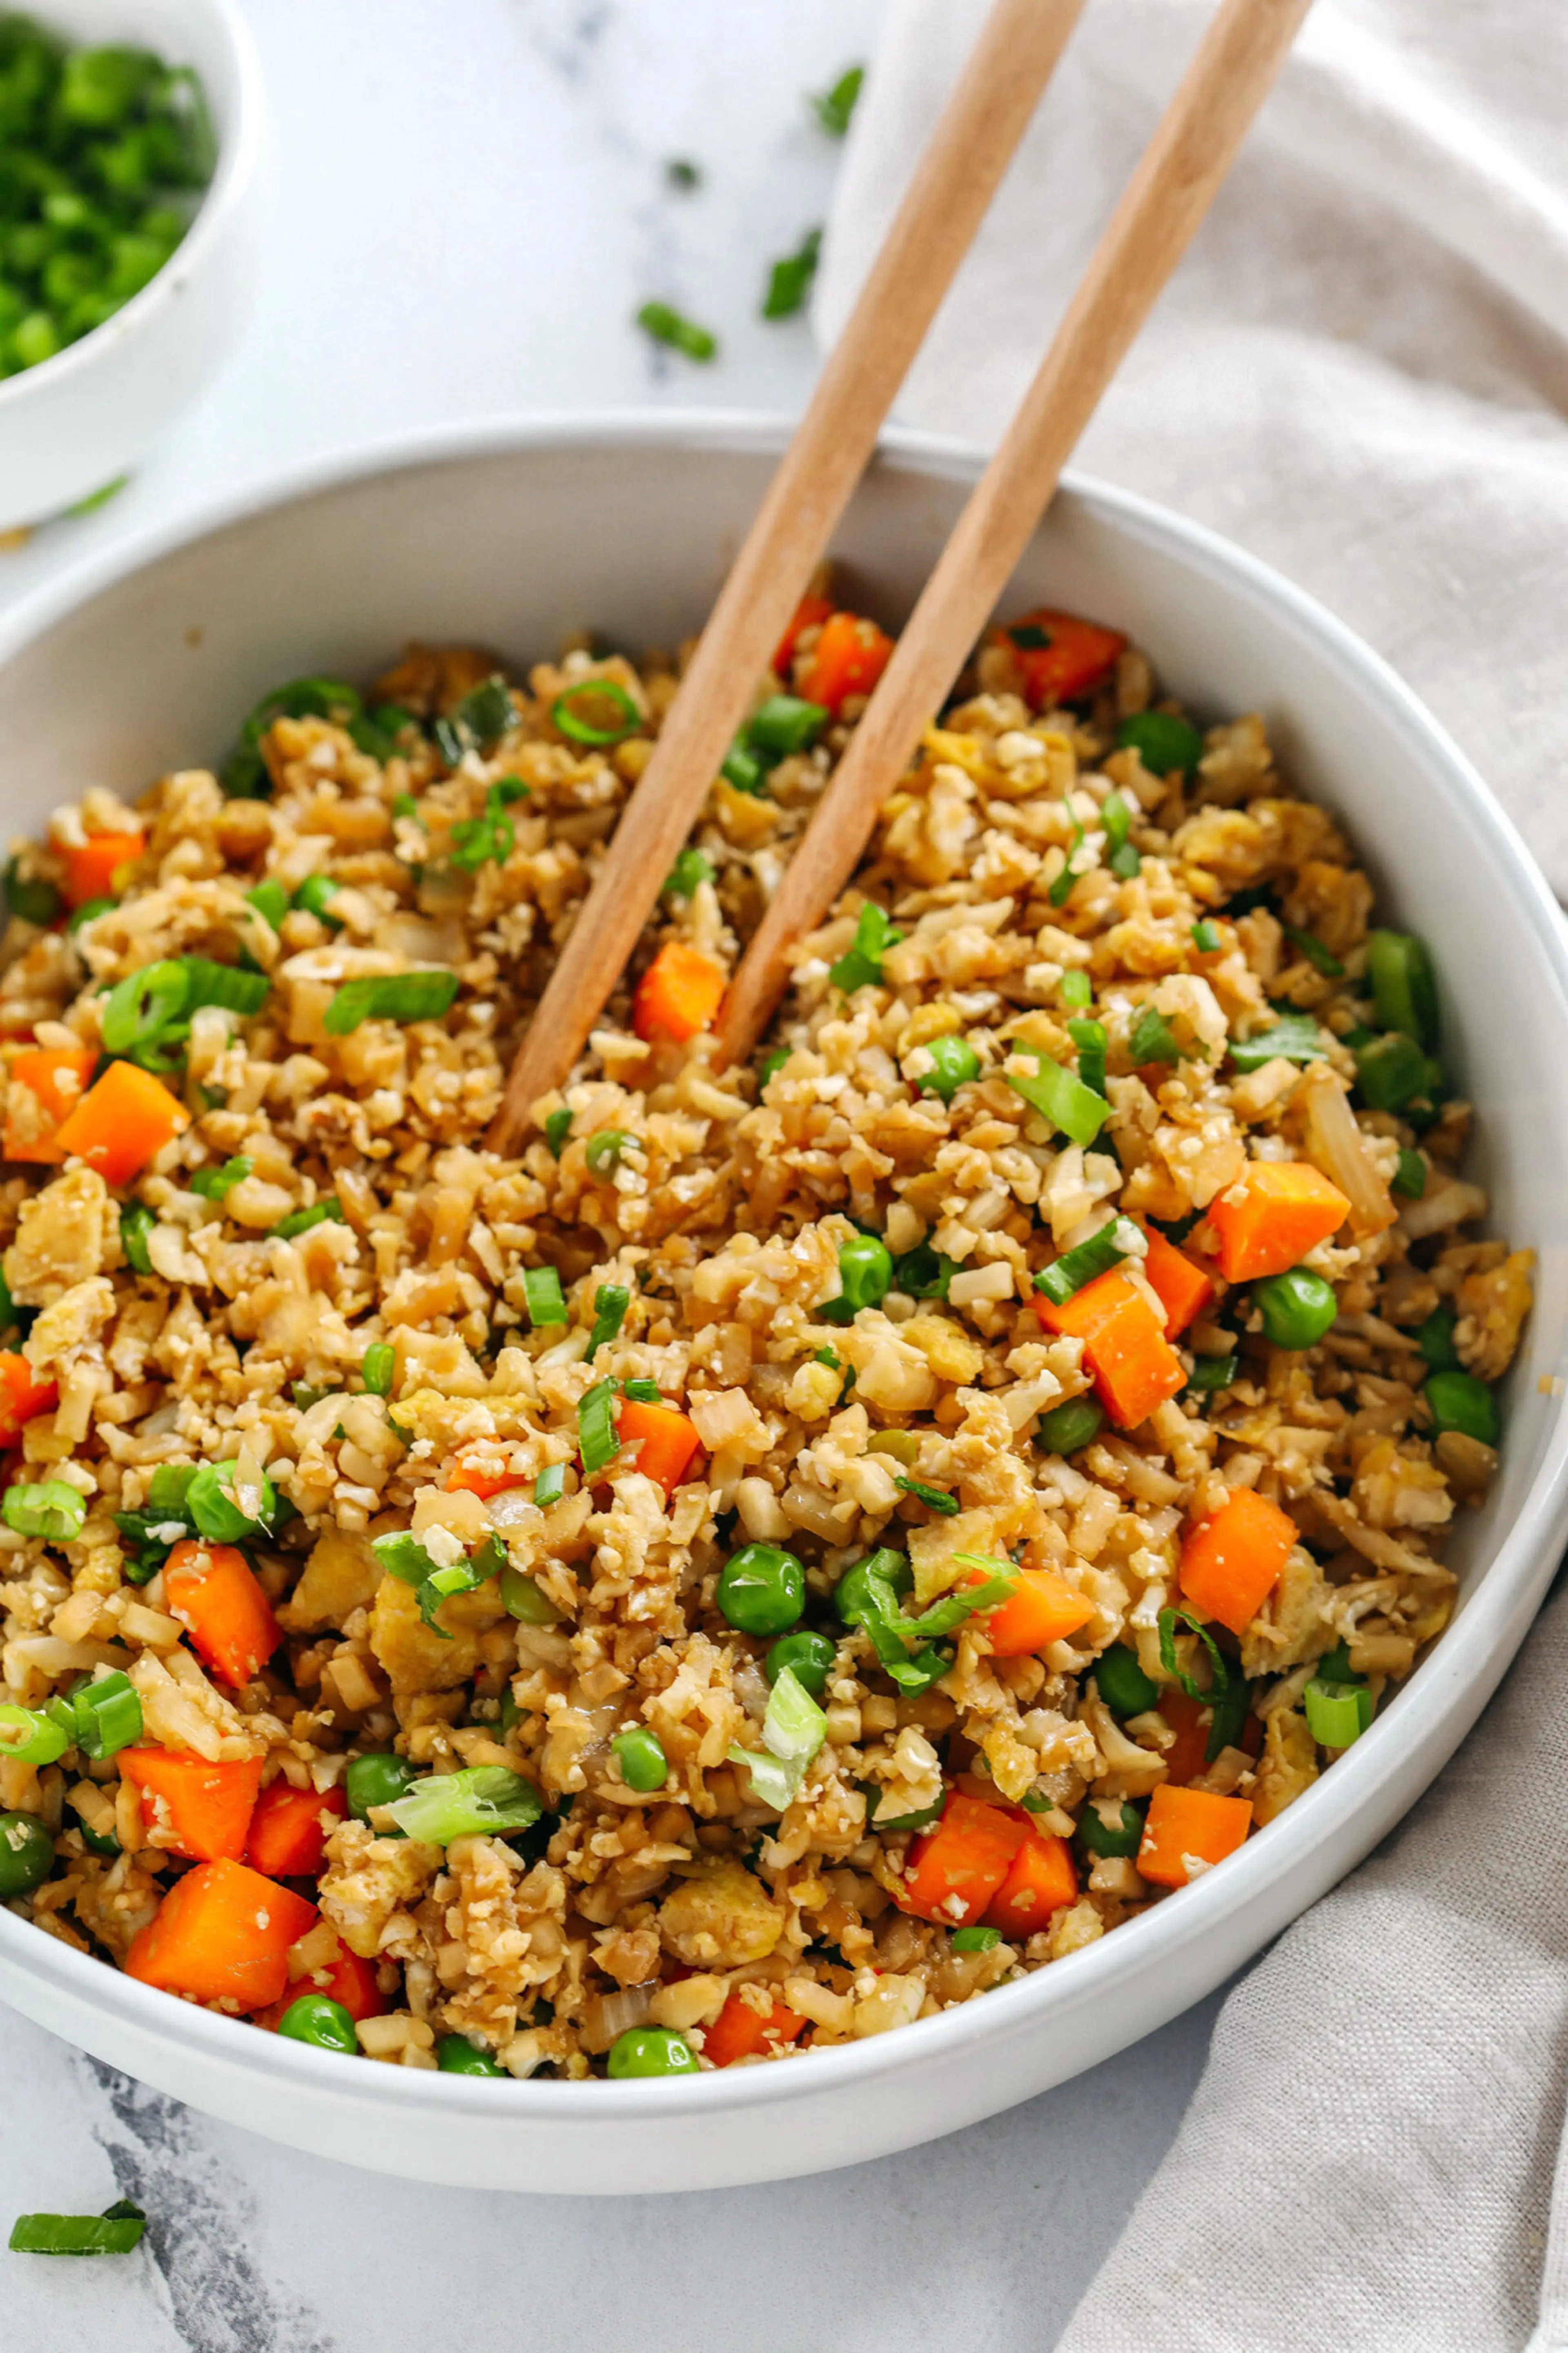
[
  {"x": 1298, "y": 1307},
  {"x": 319, "y": 2021},
  {"x": 810, "y": 1656},
  {"x": 651, "y": 2050},
  {"x": 26, "y": 1855},
  {"x": 865, "y": 1278},
  {"x": 1122, "y": 1681},
  {"x": 1459, "y": 1401},
  {"x": 37, "y": 339},
  {"x": 761, "y": 1589},
  {"x": 1100, "y": 1837},
  {"x": 456, "y": 2056},
  {"x": 1068, "y": 1428},
  {"x": 953, "y": 1062},
  {"x": 379, "y": 1779},
  {"x": 644, "y": 1765}
]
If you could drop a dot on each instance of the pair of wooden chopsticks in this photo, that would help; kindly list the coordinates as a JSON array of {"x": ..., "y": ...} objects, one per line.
[{"x": 1169, "y": 194}]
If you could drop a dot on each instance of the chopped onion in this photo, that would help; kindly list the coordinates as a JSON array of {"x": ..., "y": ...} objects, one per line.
[{"x": 1336, "y": 1147}]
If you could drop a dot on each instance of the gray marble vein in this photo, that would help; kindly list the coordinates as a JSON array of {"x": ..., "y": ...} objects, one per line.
[{"x": 472, "y": 203}]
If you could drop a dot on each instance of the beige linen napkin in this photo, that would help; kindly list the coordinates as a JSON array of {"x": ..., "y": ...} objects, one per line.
[{"x": 1360, "y": 373}]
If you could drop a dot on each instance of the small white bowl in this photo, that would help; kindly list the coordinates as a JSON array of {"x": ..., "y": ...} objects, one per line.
[
  {"x": 511, "y": 536},
  {"x": 78, "y": 421}
]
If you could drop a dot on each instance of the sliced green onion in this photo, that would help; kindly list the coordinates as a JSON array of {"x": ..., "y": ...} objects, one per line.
[
  {"x": 315, "y": 896},
  {"x": 861, "y": 966},
  {"x": 1205, "y": 937},
  {"x": 89, "y": 912},
  {"x": 53, "y": 1511},
  {"x": 29, "y": 1736},
  {"x": 550, "y": 1485},
  {"x": 597, "y": 1440},
  {"x": 1210, "y": 1373},
  {"x": 486, "y": 713},
  {"x": 1061, "y": 1099},
  {"x": 603, "y": 1148},
  {"x": 1435, "y": 1338},
  {"x": 136, "y": 1222},
  {"x": 785, "y": 724},
  {"x": 1076, "y": 988},
  {"x": 667, "y": 325},
  {"x": 689, "y": 870},
  {"x": 1097, "y": 1256},
  {"x": 1316, "y": 953},
  {"x": 1060, "y": 891},
  {"x": 610, "y": 1303},
  {"x": 1124, "y": 861},
  {"x": 301, "y": 1222},
  {"x": 1337, "y": 1714},
  {"x": 144, "y": 1011},
  {"x": 741, "y": 767},
  {"x": 216, "y": 1510},
  {"x": 789, "y": 281},
  {"x": 212, "y": 1183},
  {"x": 542, "y": 1296},
  {"x": 108, "y": 1715},
  {"x": 271, "y": 901},
  {"x": 1069, "y": 1428},
  {"x": 977, "y": 1940},
  {"x": 1410, "y": 1176},
  {"x": 483, "y": 1799},
  {"x": 522, "y": 1600},
  {"x": 1293, "y": 1037},
  {"x": 1392, "y": 1072},
  {"x": 377, "y": 1367},
  {"x": 30, "y": 896},
  {"x": 557, "y": 1128},
  {"x": 922, "y": 1273},
  {"x": 833, "y": 108},
  {"x": 1152, "y": 1040},
  {"x": 1162, "y": 740},
  {"x": 245, "y": 776},
  {"x": 1123, "y": 1683},
  {"x": 794, "y": 1729},
  {"x": 404, "y": 1556},
  {"x": 1403, "y": 986},
  {"x": 944, "y": 1617},
  {"x": 396, "y": 996},
  {"x": 115, "y": 2231},
  {"x": 461, "y": 1576},
  {"x": 1088, "y": 1037},
  {"x": 935, "y": 1499},
  {"x": 644, "y": 1392}
]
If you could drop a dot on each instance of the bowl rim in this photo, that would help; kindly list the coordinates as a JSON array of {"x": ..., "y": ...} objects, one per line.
[
  {"x": 1440, "y": 1693},
  {"x": 238, "y": 159}
]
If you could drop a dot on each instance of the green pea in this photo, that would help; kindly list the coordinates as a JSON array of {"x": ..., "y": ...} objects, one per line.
[
  {"x": 865, "y": 1278},
  {"x": 99, "y": 87},
  {"x": 651, "y": 2050},
  {"x": 644, "y": 1765},
  {"x": 379, "y": 1779},
  {"x": 1124, "y": 1836},
  {"x": 1298, "y": 1307},
  {"x": 761, "y": 1589},
  {"x": 1122, "y": 1681},
  {"x": 26, "y": 1855},
  {"x": 1435, "y": 1339},
  {"x": 810, "y": 1656},
  {"x": 316, "y": 894},
  {"x": 1162, "y": 740},
  {"x": 1459, "y": 1401},
  {"x": 212, "y": 1507},
  {"x": 953, "y": 1062},
  {"x": 319, "y": 2021},
  {"x": 456, "y": 2056},
  {"x": 1068, "y": 1428}
]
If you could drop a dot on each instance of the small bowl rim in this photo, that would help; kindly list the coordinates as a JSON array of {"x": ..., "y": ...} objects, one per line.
[
  {"x": 1442, "y": 1694},
  {"x": 239, "y": 159}
]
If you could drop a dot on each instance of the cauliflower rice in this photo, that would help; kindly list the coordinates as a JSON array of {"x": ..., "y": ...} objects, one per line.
[{"x": 636, "y": 1917}]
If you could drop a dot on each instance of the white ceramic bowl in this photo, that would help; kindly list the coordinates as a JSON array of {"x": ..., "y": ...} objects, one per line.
[
  {"x": 511, "y": 537},
  {"x": 83, "y": 418}
]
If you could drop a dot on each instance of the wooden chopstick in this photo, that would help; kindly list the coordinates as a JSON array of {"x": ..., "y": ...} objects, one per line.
[
  {"x": 1175, "y": 182},
  {"x": 931, "y": 231}
]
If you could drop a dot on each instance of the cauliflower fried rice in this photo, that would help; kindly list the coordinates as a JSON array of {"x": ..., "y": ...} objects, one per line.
[{"x": 800, "y": 1545}]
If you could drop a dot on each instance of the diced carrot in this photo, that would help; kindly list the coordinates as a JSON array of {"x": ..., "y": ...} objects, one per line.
[
  {"x": 1134, "y": 1365},
  {"x": 665, "y": 1437},
  {"x": 1041, "y": 1881},
  {"x": 1185, "y": 1826},
  {"x": 739, "y": 2030},
  {"x": 1272, "y": 1216},
  {"x": 469, "y": 1477},
  {"x": 956, "y": 1867},
  {"x": 1183, "y": 1290},
  {"x": 848, "y": 657},
  {"x": 1076, "y": 656},
  {"x": 94, "y": 867},
  {"x": 47, "y": 1086},
  {"x": 1191, "y": 1720},
  {"x": 1043, "y": 1608},
  {"x": 285, "y": 1840},
  {"x": 344, "y": 1979},
  {"x": 677, "y": 994},
  {"x": 22, "y": 1393},
  {"x": 1231, "y": 1562},
  {"x": 809, "y": 613},
  {"x": 121, "y": 1123},
  {"x": 212, "y": 1588},
  {"x": 221, "y": 1934},
  {"x": 204, "y": 1809}
]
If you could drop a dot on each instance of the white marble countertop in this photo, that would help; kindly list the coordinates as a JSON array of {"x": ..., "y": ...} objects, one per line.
[{"x": 471, "y": 206}]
